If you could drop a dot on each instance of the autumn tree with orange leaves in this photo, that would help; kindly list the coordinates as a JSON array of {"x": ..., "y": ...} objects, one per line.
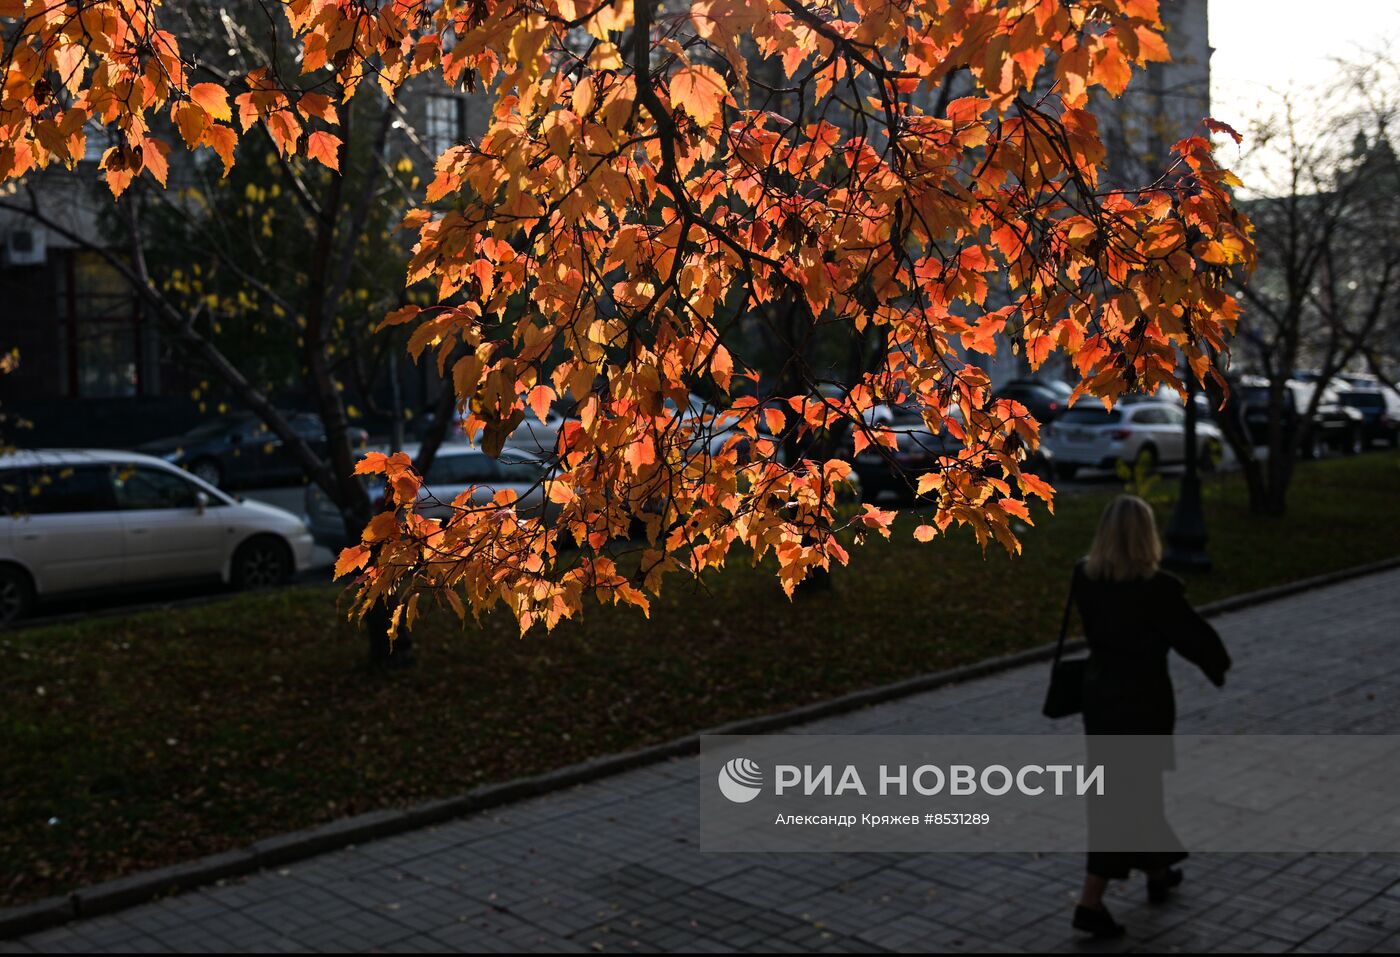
[{"x": 637, "y": 199}]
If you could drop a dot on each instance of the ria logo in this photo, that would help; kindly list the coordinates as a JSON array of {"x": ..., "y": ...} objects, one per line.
[{"x": 740, "y": 780}]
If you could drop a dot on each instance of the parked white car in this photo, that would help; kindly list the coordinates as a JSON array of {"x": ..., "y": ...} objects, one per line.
[
  {"x": 80, "y": 520},
  {"x": 1151, "y": 433},
  {"x": 456, "y": 467}
]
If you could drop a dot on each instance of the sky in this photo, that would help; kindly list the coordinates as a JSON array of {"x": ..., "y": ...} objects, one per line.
[{"x": 1263, "y": 43}]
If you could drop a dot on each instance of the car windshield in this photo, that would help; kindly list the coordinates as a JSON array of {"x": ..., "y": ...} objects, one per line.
[
  {"x": 1091, "y": 416},
  {"x": 1363, "y": 400}
]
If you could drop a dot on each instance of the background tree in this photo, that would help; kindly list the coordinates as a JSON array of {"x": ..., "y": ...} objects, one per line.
[
  {"x": 633, "y": 201},
  {"x": 206, "y": 234},
  {"x": 1326, "y": 209}
]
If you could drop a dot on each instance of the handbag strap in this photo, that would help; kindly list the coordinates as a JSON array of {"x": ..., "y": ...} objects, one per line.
[{"x": 1064, "y": 622}]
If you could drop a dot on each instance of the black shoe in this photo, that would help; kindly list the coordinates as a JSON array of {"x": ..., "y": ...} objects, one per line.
[
  {"x": 1099, "y": 922},
  {"x": 1160, "y": 888}
]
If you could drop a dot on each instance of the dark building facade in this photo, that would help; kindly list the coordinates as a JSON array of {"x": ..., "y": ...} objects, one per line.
[{"x": 94, "y": 367}]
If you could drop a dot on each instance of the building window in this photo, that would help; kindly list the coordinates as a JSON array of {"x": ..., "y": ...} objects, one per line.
[
  {"x": 103, "y": 347},
  {"x": 445, "y": 122}
]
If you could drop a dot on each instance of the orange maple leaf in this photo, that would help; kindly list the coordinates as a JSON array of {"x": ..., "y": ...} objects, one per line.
[
  {"x": 324, "y": 148},
  {"x": 212, "y": 99}
]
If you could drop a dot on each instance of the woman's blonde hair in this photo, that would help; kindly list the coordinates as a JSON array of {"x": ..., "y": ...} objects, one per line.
[{"x": 1126, "y": 547}]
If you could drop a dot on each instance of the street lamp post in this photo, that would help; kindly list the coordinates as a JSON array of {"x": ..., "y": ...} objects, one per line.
[{"x": 1186, "y": 534}]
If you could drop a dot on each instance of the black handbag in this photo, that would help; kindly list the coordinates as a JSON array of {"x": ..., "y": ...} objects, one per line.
[{"x": 1065, "y": 695}]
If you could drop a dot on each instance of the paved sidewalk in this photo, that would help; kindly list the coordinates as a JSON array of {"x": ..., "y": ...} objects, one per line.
[{"x": 612, "y": 865}]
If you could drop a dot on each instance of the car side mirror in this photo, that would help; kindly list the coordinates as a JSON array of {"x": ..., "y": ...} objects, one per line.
[{"x": 201, "y": 502}]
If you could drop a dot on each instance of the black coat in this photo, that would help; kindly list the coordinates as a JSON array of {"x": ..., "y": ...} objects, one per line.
[{"x": 1130, "y": 627}]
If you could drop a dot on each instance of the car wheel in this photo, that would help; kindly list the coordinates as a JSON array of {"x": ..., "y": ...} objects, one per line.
[
  {"x": 1146, "y": 459},
  {"x": 1316, "y": 447},
  {"x": 207, "y": 470},
  {"x": 16, "y": 593},
  {"x": 262, "y": 562},
  {"x": 1355, "y": 444},
  {"x": 1067, "y": 471}
]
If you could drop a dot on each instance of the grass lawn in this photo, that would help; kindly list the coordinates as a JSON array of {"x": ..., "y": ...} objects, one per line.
[{"x": 142, "y": 741}]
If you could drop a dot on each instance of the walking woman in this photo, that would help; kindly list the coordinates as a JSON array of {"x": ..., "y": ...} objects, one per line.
[{"x": 1133, "y": 614}]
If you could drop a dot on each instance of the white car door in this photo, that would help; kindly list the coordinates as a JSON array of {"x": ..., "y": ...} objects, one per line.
[
  {"x": 1174, "y": 433},
  {"x": 66, "y": 529},
  {"x": 168, "y": 535},
  {"x": 1149, "y": 426}
]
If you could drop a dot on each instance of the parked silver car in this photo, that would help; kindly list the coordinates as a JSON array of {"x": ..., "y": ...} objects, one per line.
[
  {"x": 1145, "y": 433},
  {"x": 542, "y": 438},
  {"x": 79, "y": 520},
  {"x": 456, "y": 467}
]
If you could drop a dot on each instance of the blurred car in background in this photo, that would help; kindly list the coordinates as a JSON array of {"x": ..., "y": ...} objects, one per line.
[
  {"x": 1167, "y": 394},
  {"x": 896, "y": 472},
  {"x": 1143, "y": 434},
  {"x": 89, "y": 520},
  {"x": 455, "y": 468},
  {"x": 238, "y": 450},
  {"x": 1334, "y": 424},
  {"x": 542, "y": 438},
  {"x": 1045, "y": 398},
  {"x": 1380, "y": 413},
  {"x": 711, "y": 432},
  {"x": 1356, "y": 380}
]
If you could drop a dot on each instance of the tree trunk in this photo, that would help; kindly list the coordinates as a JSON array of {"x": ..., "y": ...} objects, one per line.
[
  {"x": 385, "y": 653},
  {"x": 1229, "y": 416},
  {"x": 1280, "y": 475},
  {"x": 1256, "y": 486}
]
